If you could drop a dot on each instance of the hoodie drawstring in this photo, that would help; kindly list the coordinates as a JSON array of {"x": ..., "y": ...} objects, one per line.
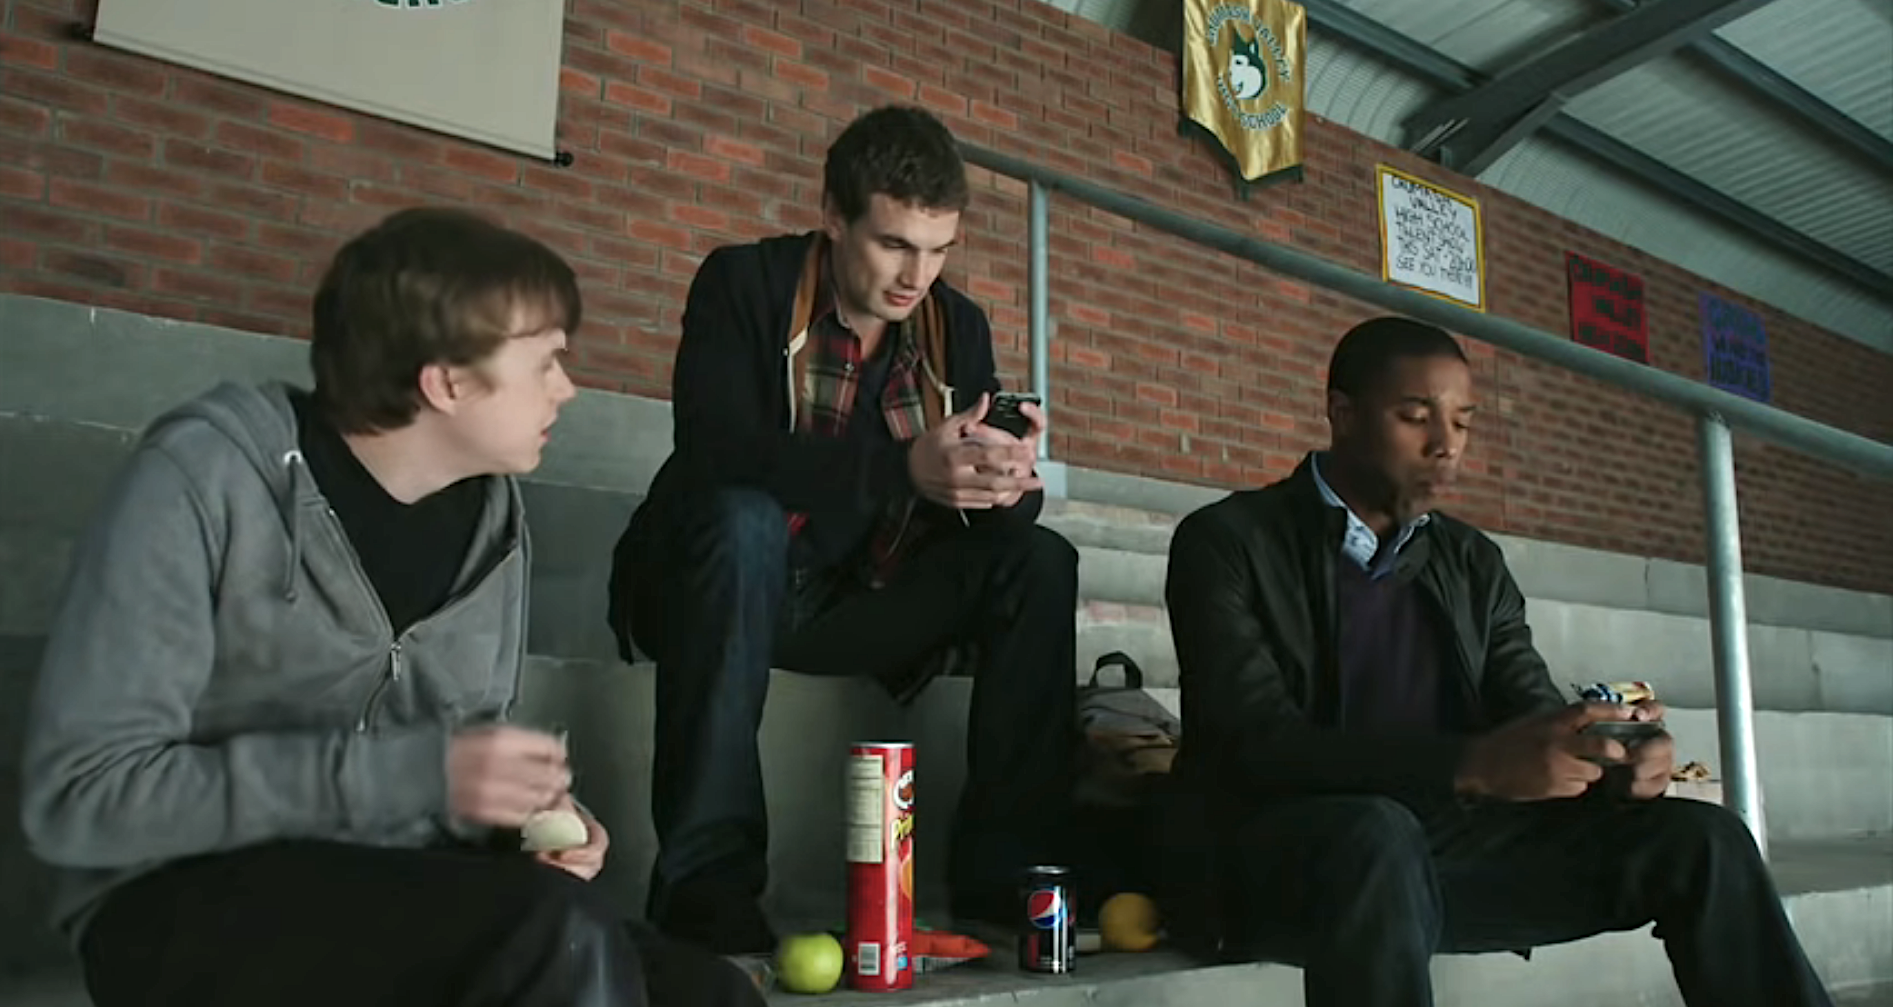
[{"x": 298, "y": 471}]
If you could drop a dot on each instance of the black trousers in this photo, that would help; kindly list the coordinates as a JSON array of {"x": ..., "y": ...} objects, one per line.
[
  {"x": 1361, "y": 892},
  {"x": 321, "y": 924},
  {"x": 720, "y": 606}
]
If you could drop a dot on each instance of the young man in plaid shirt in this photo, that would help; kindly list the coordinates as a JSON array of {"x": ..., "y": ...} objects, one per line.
[{"x": 836, "y": 505}]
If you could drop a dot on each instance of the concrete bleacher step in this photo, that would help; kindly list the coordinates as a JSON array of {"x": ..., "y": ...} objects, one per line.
[{"x": 1837, "y": 892}]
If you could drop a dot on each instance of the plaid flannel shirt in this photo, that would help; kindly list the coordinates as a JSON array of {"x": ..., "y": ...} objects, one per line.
[{"x": 831, "y": 381}]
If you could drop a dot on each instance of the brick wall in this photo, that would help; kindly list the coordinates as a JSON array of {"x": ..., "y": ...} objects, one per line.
[{"x": 131, "y": 183}]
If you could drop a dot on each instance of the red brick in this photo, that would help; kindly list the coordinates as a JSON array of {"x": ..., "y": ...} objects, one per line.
[
  {"x": 92, "y": 267},
  {"x": 360, "y": 167},
  {"x": 250, "y": 139},
  {"x": 21, "y": 255},
  {"x": 638, "y": 48},
  {"x": 697, "y": 166},
  {"x": 700, "y": 217},
  {"x": 314, "y": 122},
  {"x": 208, "y": 160},
  {"x": 733, "y": 150},
  {"x": 660, "y": 234},
  {"x": 670, "y": 83},
  {"x": 889, "y": 81},
  {"x": 117, "y": 70},
  {"x": 153, "y": 244},
  {"x": 573, "y": 82},
  {"x": 38, "y": 221},
  {"x": 21, "y": 184},
  {"x": 165, "y": 117},
  {"x": 198, "y": 220},
  {"x": 797, "y": 73},
  {"x": 300, "y": 242},
  {"x": 995, "y": 116},
  {"x": 621, "y": 93},
  {"x": 302, "y": 181},
  {"x": 98, "y": 199},
  {"x": 21, "y": 51},
  {"x": 486, "y": 164},
  {"x": 405, "y": 142},
  {"x": 249, "y": 262},
  {"x": 1131, "y": 162},
  {"x": 21, "y": 119},
  {"x": 220, "y": 96},
  {"x": 60, "y": 92},
  {"x": 150, "y": 178},
  {"x": 769, "y": 41},
  {"x": 190, "y": 283}
]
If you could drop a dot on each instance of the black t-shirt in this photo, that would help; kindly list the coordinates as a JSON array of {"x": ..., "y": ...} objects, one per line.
[{"x": 412, "y": 553}]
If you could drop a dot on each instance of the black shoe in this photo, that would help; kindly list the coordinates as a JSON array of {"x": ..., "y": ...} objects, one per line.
[{"x": 717, "y": 916}]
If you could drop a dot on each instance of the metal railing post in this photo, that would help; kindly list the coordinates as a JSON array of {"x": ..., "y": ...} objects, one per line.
[
  {"x": 1728, "y": 628},
  {"x": 1039, "y": 282}
]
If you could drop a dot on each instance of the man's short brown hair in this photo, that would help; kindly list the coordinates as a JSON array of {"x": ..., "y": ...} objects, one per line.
[
  {"x": 898, "y": 151},
  {"x": 425, "y": 286}
]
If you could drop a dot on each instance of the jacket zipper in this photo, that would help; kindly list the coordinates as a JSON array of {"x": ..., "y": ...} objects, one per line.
[{"x": 391, "y": 675}]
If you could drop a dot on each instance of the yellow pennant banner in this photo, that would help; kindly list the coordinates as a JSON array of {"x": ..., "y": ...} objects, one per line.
[{"x": 1242, "y": 79}]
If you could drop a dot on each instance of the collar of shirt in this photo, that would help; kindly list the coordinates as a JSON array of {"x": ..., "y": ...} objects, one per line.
[{"x": 1359, "y": 544}]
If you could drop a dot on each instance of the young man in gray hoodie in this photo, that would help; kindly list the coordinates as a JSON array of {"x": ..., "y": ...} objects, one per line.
[{"x": 269, "y": 748}]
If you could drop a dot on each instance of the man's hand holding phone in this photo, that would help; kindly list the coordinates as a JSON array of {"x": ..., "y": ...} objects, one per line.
[{"x": 968, "y": 464}]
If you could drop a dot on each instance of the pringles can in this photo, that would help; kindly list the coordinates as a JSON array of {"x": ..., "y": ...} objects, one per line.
[
  {"x": 880, "y": 845},
  {"x": 1049, "y": 940}
]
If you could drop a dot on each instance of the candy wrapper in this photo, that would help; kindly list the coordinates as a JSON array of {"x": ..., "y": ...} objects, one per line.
[
  {"x": 1622, "y": 693},
  {"x": 934, "y": 950}
]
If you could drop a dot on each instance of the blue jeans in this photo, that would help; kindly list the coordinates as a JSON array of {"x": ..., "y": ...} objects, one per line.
[{"x": 718, "y": 602}]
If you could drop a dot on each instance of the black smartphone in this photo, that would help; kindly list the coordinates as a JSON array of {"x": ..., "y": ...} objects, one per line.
[
  {"x": 1004, "y": 414},
  {"x": 1630, "y": 732}
]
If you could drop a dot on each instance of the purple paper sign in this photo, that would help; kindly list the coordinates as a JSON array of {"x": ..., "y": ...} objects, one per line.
[{"x": 1735, "y": 348}]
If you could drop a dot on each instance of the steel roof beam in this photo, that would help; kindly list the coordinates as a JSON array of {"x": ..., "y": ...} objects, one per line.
[
  {"x": 1443, "y": 71},
  {"x": 1764, "y": 80},
  {"x": 1469, "y": 131}
]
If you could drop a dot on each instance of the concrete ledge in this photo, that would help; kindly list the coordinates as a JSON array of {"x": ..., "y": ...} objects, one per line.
[
  {"x": 1848, "y": 933},
  {"x": 119, "y": 370}
]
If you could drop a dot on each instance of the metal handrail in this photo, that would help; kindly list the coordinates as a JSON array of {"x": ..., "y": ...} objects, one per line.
[
  {"x": 1851, "y": 450},
  {"x": 1715, "y": 412}
]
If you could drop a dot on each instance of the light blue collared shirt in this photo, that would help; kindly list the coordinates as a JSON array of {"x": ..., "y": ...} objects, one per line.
[{"x": 1359, "y": 543}]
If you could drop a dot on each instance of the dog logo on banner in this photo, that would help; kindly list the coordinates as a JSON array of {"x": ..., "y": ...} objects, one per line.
[{"x": 1242, "y": 81}]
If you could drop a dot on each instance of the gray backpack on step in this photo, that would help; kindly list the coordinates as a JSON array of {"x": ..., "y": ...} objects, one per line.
[{"x": 1126, "y": 739}]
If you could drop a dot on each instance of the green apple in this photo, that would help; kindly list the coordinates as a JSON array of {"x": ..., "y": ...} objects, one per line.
[{"x": 808, "y": 963}]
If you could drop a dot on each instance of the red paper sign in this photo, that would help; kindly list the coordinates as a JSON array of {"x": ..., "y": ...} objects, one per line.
[{"x": 1607, "y": 308}]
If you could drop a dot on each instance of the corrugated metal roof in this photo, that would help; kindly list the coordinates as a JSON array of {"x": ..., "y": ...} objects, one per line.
[
  {"x": 1547, "y": 174},
  {"x": 1686, "y": 116},
  {"x": 1676, "y": 110},
  {"x": 1841, "y": 50}
]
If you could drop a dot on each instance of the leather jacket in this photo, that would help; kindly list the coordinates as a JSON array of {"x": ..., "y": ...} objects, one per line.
[{"x": 1251, "y": 596}]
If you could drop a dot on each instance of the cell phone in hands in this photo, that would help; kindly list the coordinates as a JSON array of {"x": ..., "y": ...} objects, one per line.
[
  {"x": 1628, "y": 732},
  {"x": 1004, "y": 413}
]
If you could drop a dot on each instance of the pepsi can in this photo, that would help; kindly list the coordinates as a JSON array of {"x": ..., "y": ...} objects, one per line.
[{"x": 1049, "y": 940}]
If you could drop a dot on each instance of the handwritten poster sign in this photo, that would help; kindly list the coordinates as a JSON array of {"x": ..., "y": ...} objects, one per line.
[
  {"x": 1431, "y": 239},
  {"x": 1735, "y": 348},
  {"x": 1607, "y": 308}
]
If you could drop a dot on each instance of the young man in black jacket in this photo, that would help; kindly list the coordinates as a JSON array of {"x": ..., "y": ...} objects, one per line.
[
  {"x": 835, "y": 504},
  {"x": 1393, "y": 772}
]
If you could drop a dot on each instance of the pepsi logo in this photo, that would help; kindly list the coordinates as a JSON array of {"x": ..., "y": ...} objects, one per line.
[{"x": 1044, "y": 908}]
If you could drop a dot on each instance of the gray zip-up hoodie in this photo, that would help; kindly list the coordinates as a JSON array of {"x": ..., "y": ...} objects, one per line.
[{"x": 221, "y": 673}]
